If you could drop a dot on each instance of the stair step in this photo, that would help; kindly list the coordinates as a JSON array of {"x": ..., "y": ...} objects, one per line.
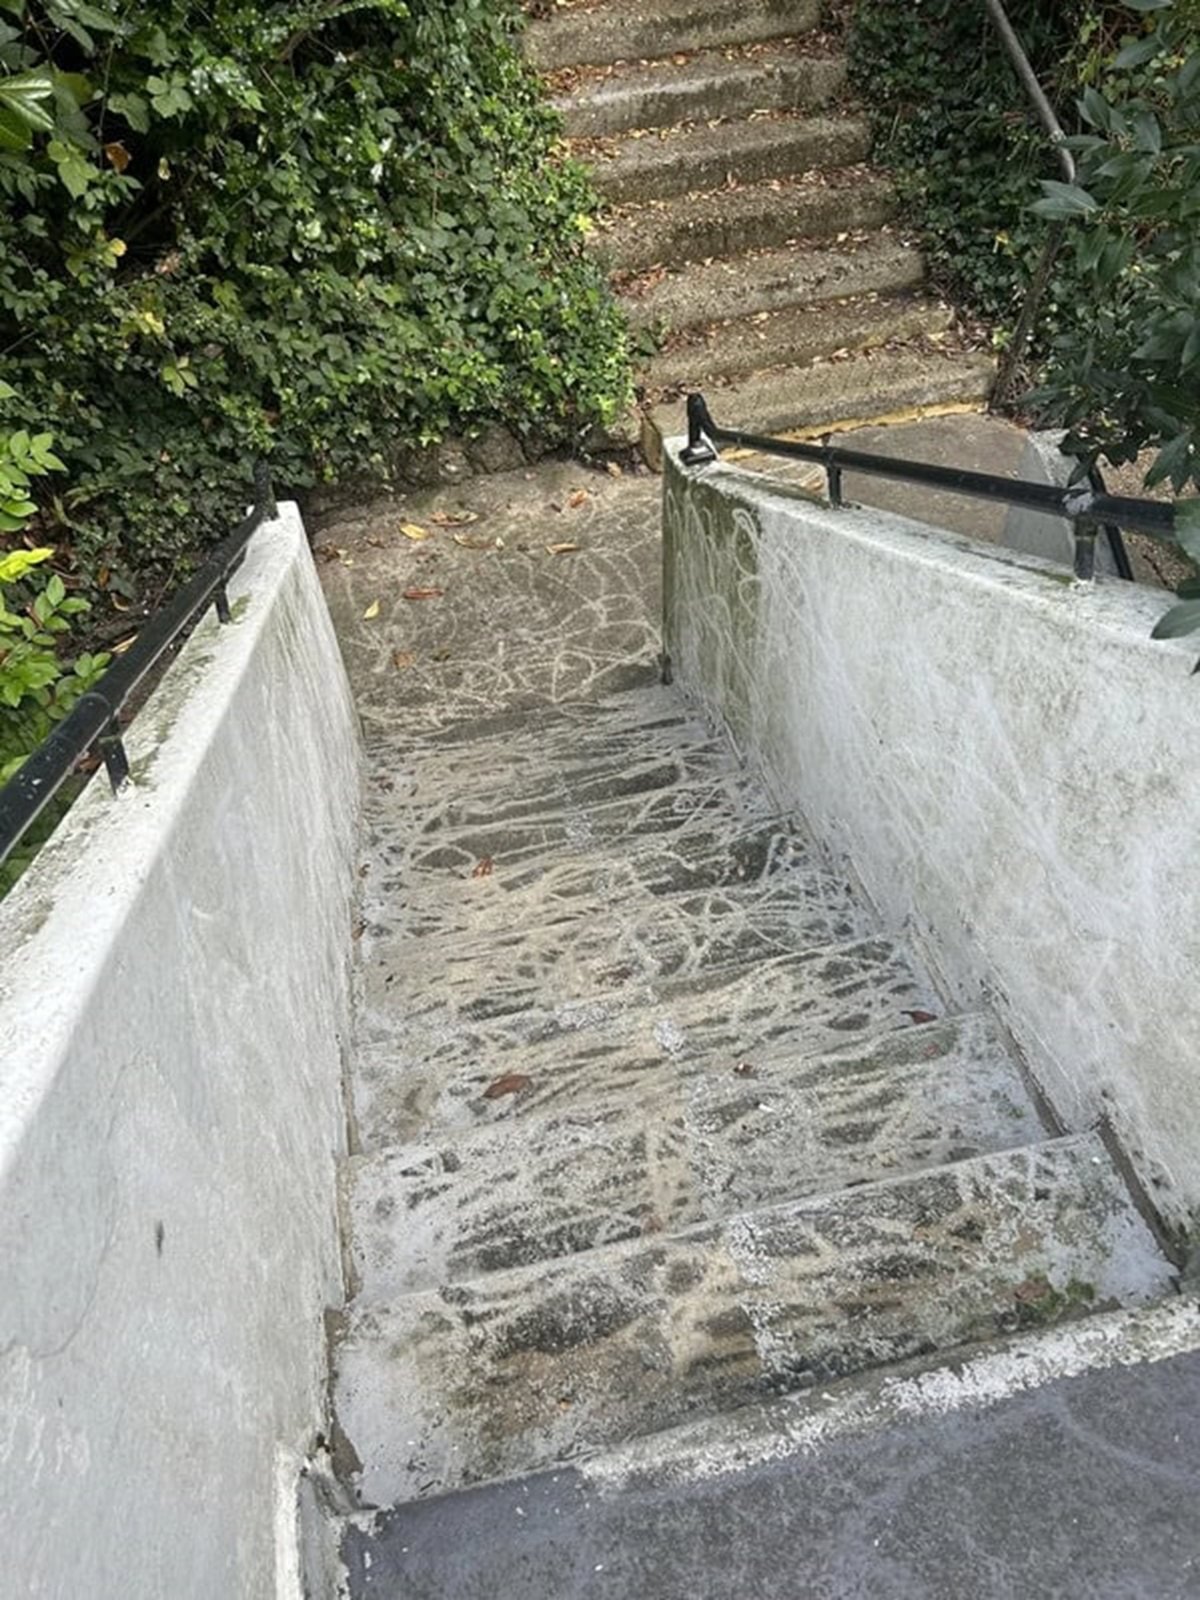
[
  {"x": 532, "y": 1367},
  {"x": 870, "y": 387},
  {"x": 796, "y": 336},
  {"x": 732, "y": 221},
  {"x": 690, "y": 159},
  {"x": 629, "y": 30},
  {"x": 773, "y": 280},
  {"x": 545, "y": 951},
  {"x": 661, "y": 94},
  {"x": 699, "y": 1146},
  {"x": 423, "y": 1071}
]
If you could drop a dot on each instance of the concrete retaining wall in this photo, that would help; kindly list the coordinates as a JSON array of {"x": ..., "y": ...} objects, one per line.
[
  {"x": 173, "y": 1006},
  {"x": 1007, "y": 759}
]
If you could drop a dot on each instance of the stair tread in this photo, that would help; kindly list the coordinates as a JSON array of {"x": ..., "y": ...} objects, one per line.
[
  {"x": 697, "y": 1146},
  {"x": 425, "y": 1069},
  {"x": 728, "y": 222},
  {"x": 710, "y": 84},
  {"x": 769, "y": 280},
  {"x": 533, "y": 1366},
  {"x": 696, "y": 156},
  {"x": 796, "y": 335},
  {"x": 632, "y": 29}
]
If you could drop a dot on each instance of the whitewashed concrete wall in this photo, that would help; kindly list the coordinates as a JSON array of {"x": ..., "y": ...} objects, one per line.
[
  {"x": 1009, "y": 761},
  {"x": 173, "y": 1003}
]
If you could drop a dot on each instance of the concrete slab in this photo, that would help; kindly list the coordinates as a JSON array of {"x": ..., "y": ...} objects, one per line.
[{"x": 1025, "y": 1477}]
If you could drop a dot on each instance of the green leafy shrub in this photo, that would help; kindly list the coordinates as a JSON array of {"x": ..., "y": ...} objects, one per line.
[
  {"x": 1127, "y": 377},
  {"x": 965, "y": 149},
  {"x": 316, "y": 231}
]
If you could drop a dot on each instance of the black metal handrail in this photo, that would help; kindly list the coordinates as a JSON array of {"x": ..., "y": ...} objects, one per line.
[
  {"x": 1085, "y": 506},
  {"x": 92, "y": 726}
]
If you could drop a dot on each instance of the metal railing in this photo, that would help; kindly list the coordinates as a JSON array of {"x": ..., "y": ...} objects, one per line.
[
  {"x": 92, "y": 727},
  {"x": 1087, "y": 507}
]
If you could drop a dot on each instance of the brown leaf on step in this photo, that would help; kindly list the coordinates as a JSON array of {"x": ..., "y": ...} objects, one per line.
[
  {"x": 371, "y": 612},
  {"x": 560, "y": 549},
  {"x": 402, "y": 659},
  {"x": 614, "y": 469},
  {"x": 414, "y": 530},
  {"x": 483, "y": 868},
  {"x": 468, "y": 543},
  {"x": 744, "y": 1069},
  {"x": 920, "y": 1016},
  {"x": 423, "y": 594},
  {"x": 577, "y": 498},
  {"x": 510, "y": 1083},
  {"x": 357, "y": 931},
  {"x": 454, "y": 519}
]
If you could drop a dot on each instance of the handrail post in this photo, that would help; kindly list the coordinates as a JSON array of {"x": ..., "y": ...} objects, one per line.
[{"x": 699, "y": 449}]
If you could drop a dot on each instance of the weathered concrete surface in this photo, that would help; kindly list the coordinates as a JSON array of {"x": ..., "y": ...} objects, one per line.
[
  {"x": 1018, "y": 1473},
  {"x": 563, "y": 607},
  {"x": 1003, "y": 754},
  {"x": 526, "y": 1367},
  {"x": 714, "y": 84},
  {"x": 173, "y": 1010},
  {"x": 685, "y": 159},
  {"x": 759, "y": 216},
  {"x": 629, "y": 30}
]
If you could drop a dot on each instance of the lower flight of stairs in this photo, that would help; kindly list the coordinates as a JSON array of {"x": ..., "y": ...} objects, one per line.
[
  {"x": 655, "y": 1123},
  {"x": 749, "y": 237}
]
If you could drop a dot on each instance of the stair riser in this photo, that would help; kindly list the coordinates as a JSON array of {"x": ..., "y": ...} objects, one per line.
[
  {"x": 757, "y": 223},
  {"x": 524, "y": 1369},
  {"x": 746, "y": 348},
  {"x": 791, "y": 86},
  {"x": 772, "y": 283},
  {"x": 597, "y": 38},
  {"x": 628, "y": 181}
]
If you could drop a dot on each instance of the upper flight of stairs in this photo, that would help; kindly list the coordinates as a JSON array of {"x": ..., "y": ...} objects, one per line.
[
  {"x": 745, "y": 229},
  {"x": 655, "y": 1123}
]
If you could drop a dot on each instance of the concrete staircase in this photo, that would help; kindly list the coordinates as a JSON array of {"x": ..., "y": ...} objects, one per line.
[
  {"x": 746, "y": 231},
  {"x": 655, "y": 1124}
]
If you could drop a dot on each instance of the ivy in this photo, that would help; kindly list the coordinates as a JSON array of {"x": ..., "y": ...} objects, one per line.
[{"x": 320, "y": 232}]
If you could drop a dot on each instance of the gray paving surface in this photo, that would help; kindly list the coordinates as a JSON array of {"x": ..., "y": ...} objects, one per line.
[{"x": 1086, "y": 1488}]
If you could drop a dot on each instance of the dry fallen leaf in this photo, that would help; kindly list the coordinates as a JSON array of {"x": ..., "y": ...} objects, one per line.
[
  {"x": 560, "y": 549},
  {"x": 511, "y": 1083},
  {"x": 614, "y": 469},
  {"x": 414, "y": 530},
  {"x": 577, "y": 498},
  {"x": 920, "y": 1016},
  {"x": 483, "y": 868},
  {"x": 371, "y": 611},
  {"x": 423, "y": 594},
  {"x": 402, "y": 659},
  {"x": 468, "y": 543},
  {"x": 454, "y": 519}
]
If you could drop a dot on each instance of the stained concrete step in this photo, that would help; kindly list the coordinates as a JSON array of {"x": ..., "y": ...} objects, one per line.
[
  {"x": 528, "y": 1368},
  {"x": 423, "y": 1069},
  {"x": 773, "y": 280},
  {"x": 796, "y": 336},
  {"x": 1049, "y": 1463},
  {"x": 729, "y": 222},
  {"x": 711, "y": 84},
  {"x": 873, "y": 386},
  {"x": 696, "y": 1147},
  {"x": 689, "y": 159},
  {"x": 629, "y": 30}
]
